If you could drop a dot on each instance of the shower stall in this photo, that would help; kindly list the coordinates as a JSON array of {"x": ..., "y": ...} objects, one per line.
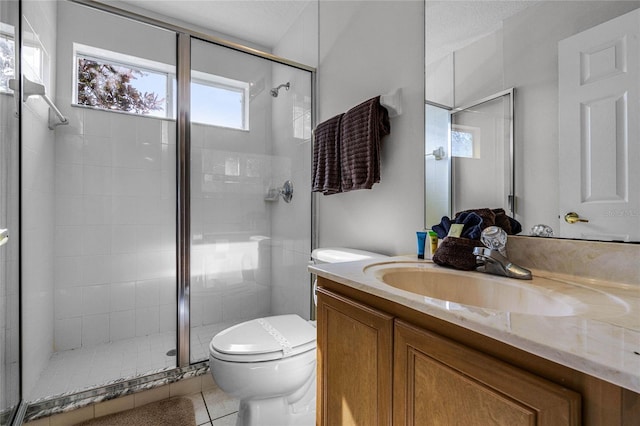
[{"x": 151, "y": 214}]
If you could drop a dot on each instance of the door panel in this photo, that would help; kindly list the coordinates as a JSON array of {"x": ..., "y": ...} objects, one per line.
[
  {"x": 354, "y": 372},
  {"x": 599, "y": 86},
  {"x": 440, "y": 382}
]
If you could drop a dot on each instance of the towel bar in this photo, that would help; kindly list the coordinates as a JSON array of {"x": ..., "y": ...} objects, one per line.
[
  {"x": 392, "y": 102},
  {"x": 31, "y": 88}
]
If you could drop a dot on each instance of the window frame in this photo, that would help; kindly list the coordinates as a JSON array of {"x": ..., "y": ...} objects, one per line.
[
  {"x": 231, "y": 85},
  {"x": 153, "y": 67},
  {"x": 125, "y": 61}
]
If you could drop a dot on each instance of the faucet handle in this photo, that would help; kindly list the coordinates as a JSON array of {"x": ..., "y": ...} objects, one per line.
[{"x": 495, "y": 238}]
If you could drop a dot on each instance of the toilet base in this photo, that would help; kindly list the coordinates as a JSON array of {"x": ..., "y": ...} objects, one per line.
[
  {"x": 298, "y": 409},
  {"x": 273, "y": 412}
]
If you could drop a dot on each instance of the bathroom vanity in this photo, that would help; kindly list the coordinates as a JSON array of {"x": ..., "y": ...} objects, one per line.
[{"x": 391, "y": 356}]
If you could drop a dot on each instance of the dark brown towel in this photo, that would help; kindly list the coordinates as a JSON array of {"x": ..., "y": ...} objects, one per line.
[
  {"x": 496, "y": 217},
  {"x": 502, "y": 220},
  {"x": 487, "y": 215},
  {"x": 326, "y": 157},
  {"x": 361, "y": 131},
  {"x": 457, "y": 253}
]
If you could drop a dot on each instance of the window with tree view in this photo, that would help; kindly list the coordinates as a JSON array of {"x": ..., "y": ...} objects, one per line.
[
  {"x": 110, "y": 81},
  {"x": 121, "y": 87}
]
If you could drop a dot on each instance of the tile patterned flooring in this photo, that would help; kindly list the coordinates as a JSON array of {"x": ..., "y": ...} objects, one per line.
[{"x": 214, "y": 408}]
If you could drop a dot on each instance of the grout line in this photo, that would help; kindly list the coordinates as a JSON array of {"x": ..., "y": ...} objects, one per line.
[{"x": 206, "y": 407}]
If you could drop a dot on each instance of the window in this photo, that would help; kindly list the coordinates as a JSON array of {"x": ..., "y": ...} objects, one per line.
[
  {"x": 465, "y": 141},
  {"x": 32, "y": 56},
  {"x": 117, "y": 82},
  {"x": 219, "y": 101},
  {"x": 7, "y": 61}
]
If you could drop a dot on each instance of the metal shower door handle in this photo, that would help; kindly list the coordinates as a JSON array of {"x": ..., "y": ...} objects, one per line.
[{"x": 4, "y": 236}]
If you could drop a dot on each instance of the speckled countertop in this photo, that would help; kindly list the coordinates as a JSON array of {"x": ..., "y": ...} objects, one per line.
[{"x": 599, "y": 335}]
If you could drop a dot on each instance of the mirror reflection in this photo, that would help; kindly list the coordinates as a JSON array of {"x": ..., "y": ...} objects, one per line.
[{"x": 574, "y": 66}]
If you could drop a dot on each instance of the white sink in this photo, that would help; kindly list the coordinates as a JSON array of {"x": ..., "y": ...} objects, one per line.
[{"x": 539, "y": 296}]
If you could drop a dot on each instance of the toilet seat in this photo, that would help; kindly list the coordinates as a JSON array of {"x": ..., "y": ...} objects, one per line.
[{"x": 264, "y": 339}]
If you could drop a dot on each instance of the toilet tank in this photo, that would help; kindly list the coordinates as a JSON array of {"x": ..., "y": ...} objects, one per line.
[{"x": 337, "y": 255}]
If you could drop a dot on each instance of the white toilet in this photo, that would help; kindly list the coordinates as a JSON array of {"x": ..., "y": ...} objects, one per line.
[{"x": 269, "y": 363}]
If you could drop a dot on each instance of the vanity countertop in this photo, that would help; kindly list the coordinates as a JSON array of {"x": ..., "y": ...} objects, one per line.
[{"x": 595, "y": 342}]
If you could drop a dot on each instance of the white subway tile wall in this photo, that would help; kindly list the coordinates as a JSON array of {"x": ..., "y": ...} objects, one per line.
[
  {"x": 114, "y": 259},
  {"x": 38, "y": 200}
]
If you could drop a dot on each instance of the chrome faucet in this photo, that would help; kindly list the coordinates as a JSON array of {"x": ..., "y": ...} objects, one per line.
[{"x": 492, "y": 262}]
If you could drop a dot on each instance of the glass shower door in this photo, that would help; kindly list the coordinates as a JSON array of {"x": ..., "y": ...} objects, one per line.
[
  {"x": 9, "y": 227},
  {"x": 250, "y": 133},
  {"x": 98, "y": 202}
]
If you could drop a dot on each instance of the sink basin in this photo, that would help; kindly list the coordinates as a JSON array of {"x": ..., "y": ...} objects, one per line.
[{"x": 539, "y": 296}]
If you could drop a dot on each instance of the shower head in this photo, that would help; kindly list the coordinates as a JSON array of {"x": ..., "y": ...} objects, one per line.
[{"x": 275, "y": 90}]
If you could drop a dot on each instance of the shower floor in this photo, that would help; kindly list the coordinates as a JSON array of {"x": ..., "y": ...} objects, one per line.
[{"x": 78, "y": 369}]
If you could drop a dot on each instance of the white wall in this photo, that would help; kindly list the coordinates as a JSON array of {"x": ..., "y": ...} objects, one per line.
[
  {"x": 478, "y": 70},
  {"x": 300, "y": 42},
  {"x": 38, "y": 203},
  {"x": 439, "y": 81},
  {"x": 366, "y": 49}
]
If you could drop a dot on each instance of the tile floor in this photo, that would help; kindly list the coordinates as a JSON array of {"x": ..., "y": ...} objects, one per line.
[
  {"x": 83, "y": 368},
  {"x": 214, "y": 408}
]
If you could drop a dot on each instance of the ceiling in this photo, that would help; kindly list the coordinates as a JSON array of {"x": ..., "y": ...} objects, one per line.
[
  {"x": 452, "y": 24},
  {"x": 262, "y": 22}
]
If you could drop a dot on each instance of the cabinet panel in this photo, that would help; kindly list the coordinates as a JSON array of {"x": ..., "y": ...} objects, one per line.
[
  {"x": 439, "y": 382},
  {"x": 355, "y": 371}
]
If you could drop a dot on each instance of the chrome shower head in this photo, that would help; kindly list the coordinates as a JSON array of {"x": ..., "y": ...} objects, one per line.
[{"x": 276, "y": 90}]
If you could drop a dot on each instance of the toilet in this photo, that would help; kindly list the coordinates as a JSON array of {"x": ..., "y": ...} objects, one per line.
[{"x": 269, "y": 363}]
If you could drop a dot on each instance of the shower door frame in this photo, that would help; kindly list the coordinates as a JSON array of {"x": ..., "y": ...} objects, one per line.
[{"x": 183, "y": 123}]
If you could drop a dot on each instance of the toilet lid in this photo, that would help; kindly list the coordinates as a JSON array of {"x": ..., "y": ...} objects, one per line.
[{"x": 264, "y": 339}]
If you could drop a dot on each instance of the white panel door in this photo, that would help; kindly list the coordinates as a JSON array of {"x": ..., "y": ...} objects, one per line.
[{"x": 599, "y": 131}]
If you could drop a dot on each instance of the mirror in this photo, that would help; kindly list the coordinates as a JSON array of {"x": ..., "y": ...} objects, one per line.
[
  {"x": 574, "y": 65},
  {"x": 465, "y": 149}
]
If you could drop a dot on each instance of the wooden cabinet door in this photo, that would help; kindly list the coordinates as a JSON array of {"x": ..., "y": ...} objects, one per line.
[
  {"x": 355, "y": 370},
  {"x": 439, "y": 382}
]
